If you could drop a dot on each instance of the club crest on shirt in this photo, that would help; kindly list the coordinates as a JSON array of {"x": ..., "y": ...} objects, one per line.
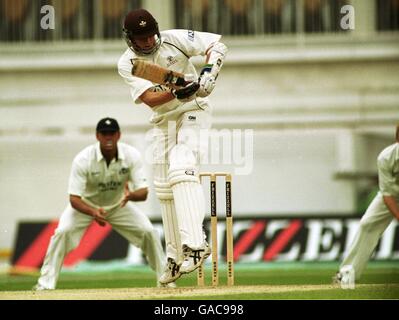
[
  {"x": 109, "y": 186},
  {"x": 170, "y": 61}
]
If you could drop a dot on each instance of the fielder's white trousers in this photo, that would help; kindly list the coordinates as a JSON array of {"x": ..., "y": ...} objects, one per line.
[
  {"x": 130, "y": 222},
  {"x": 372, "y": 225}
]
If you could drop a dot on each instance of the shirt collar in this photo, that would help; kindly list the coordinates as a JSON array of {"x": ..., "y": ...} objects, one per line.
[
  {"x": 98, "y": 152},
  {"x": 120, "y": 154}
]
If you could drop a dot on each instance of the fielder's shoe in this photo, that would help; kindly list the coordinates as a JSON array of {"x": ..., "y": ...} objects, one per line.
[
  {"x": 345, "y": 277},
  {"x": 39, "y": 287},
  {"x": 171, "y": 273},
  {"x": 336, "y": 279},
  {"x": 194, "y": 258}
]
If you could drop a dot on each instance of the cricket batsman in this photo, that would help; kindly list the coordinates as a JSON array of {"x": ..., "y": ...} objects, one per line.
[{"x": 177, "y": 152}]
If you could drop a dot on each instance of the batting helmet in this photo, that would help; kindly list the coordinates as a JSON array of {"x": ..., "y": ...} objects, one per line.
[{"x": 141, "y": 24}]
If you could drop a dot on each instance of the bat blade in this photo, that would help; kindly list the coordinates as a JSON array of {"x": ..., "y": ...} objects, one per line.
[{"x": 155, "y": 73}]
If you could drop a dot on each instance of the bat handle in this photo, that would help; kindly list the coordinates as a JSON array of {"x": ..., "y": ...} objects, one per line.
[
  {"x": 189, "y": 77},
  {"x": 183, "y": 81}
]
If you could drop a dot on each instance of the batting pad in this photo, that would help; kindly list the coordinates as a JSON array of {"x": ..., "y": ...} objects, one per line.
[{"x": 190, "y": 211}]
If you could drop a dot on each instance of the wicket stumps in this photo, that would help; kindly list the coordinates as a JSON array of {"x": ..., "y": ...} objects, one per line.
[{"x": 214, "y": 238}]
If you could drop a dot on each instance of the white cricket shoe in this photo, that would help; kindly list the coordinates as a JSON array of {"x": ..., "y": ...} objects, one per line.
[
  {"x": 39, "y": 287},
  {"x": 170, "y": 285},
  {"x": 194, "y": 258},
  {"x": 345, "y": 277},
  {"x": 171, "y": 273},
  {"x": 336, "y": 279}
]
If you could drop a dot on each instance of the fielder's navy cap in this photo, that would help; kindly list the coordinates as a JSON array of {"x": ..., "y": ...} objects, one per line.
[{"x": 107, "y": 125}]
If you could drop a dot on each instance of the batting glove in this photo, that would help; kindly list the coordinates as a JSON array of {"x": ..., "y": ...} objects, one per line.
[
  {"x": 207, "y": 81},
  {"x": 187, "y": 93}
]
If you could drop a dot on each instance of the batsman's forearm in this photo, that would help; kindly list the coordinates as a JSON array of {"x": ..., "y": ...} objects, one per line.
[
  {"x": 392, "y": 205},
  {"x": 78, "y": 204},
  {"x": 153, "y": 99}
]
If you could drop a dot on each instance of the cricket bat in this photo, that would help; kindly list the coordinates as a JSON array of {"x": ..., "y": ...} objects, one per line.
[{"x": 155, "y": 73}]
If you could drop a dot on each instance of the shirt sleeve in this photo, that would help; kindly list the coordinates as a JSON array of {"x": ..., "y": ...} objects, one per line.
[
  {"x": 137, "y": 85},
  {"x": 193, "y": 43},
  {"x": 77, "y": 179},
  {"x": 386, "y": 180},
  {"x": 137, "y": 174}
]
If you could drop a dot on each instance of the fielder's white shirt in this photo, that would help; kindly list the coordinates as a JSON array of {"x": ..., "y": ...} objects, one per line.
[
  {"x": 103, "y": 186},
  {"x": 177, "y": 47},
  {"x": 388, "y": 171}
]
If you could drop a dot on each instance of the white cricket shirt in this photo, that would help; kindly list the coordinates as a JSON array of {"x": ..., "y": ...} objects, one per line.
[
  {"x": 177, "y": 47},
  {"x": 103, "y": 186},
  {"x": 388, "y": 171}
]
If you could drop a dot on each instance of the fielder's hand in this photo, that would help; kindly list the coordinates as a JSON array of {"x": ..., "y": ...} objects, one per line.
[
  {"x": 99, "y": 216},
  {"x": 187, "y": 93}
]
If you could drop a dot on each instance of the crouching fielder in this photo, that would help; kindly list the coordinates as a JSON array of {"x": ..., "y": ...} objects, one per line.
[
  {"x": 98, "y": 190},
  {"x": 382, "y": 210},
  {"x": 179, "y": 116}
]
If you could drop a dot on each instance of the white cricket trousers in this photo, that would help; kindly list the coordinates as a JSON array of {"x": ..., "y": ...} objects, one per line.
[
  {"x": 372, "y": 225},
  {"x": 179, "y": 146},
  {"x": 129, "y": 221}
]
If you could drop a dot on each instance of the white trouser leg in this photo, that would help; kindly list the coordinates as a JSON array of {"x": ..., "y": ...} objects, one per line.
[
  {"x": 66, "y": 237},
  {"x": 372, "y": 225},
  {"x": 179, "y": 146},
  {"x": 185, "y": 158},
  {"x": 135, "y": 227}
]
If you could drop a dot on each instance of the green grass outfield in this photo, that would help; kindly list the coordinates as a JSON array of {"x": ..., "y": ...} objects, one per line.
[{"x": 252, "y": 282}]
